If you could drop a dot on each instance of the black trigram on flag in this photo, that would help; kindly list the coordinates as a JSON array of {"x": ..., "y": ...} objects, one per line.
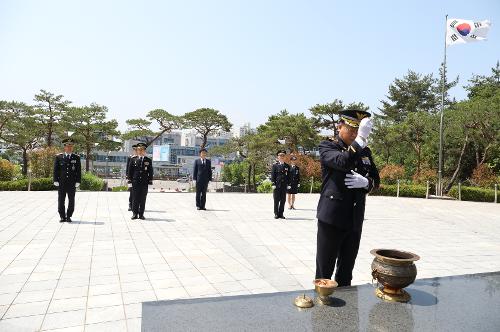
[
  {"x": 454, "y": 37},
  {"x": 453, "y": 23}
]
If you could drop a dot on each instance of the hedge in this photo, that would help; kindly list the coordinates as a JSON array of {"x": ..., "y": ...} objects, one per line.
[
  {"x": 42, "y": 184},
  {"x": 405, "y": 190},
  {"x": 120, "y": 188},
  {"x": 305, "y": 185},
  {"x": 473, "y": 194},
  {"x": 265, "y": 187},
  {"x": 91, "y": 182}
]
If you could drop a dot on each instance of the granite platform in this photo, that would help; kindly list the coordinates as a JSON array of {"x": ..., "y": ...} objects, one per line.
[{"x": 456, "y": 303}]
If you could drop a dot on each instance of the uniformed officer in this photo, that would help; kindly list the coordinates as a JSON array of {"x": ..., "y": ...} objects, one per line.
[
  {"x": 129, "y": 158},
  {"x": 67, "y": 177},
  {"x": 280, "y": 178},
  {"x": 140, "y": 175},
  {"x": 294, "y": 182},
  {"x": 348, "y": 174},
  {"x": 202, "y": 174}
]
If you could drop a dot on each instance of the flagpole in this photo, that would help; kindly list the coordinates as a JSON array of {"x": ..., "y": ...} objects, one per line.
[{"x": 440, "y": 171}]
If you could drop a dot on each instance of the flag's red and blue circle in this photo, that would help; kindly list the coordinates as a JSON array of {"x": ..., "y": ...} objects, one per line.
[{"x": 463, "y": 29}]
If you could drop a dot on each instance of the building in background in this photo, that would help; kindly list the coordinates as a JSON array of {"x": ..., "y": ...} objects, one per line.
[
  {"x": 173, "y": 153},
  {"x": 245, "y": 129}
]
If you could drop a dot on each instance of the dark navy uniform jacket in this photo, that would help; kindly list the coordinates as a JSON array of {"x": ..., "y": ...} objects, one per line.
[
  {"x": 140, "y": 172},
  {"x": 129, "y": 158},
  {"x": 67, "y": 170},
  {"x": 202, "y": 173},
  {"x": 294, "y": 175},
  {"x": 280, "y": 175},
  {"x": 338, "y": 205}
]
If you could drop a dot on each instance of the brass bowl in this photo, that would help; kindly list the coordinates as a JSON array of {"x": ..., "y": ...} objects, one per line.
[
  {"x": 394, "y": 270},
  {"x": 324, "y": 288}
]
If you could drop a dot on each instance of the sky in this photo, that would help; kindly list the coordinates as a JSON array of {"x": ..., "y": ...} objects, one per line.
[{"x": 248, "y": 59}]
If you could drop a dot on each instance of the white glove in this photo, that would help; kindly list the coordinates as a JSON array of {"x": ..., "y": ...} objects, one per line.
[
  {"x": 56, "y": 184},
  {"x": 355, "y": 180},
  {"x": 298, "y": 186},
  {"x": 288, "y": 187},
  {"x": 365, "y": 128},
  {"x": 129, "y": 185},
  {"x": 273, "y": 186},
  {"x": 77, "y": 185}
]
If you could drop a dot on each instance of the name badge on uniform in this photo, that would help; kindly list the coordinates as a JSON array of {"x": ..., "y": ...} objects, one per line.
[
  {"x": 73, "y": 161},
  {"x": 146, "y": 163},
  {"x": 366, "y": 161}
]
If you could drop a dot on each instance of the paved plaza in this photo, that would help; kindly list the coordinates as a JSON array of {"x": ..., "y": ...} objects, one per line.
[{"x": 94, "y": 274}]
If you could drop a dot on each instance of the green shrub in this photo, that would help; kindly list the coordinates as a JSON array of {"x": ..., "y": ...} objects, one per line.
[
  {"x": 390, "y": 173},
  {"x": 91, "y": 182},
  {"x": 483, "y": 176},
  {"x": 22, "y": 185},
  {"x": 42, "y": 162},
  {"x": 473, "y": 194},
  {"x": 265, "y": 187},
  {"x": 405, "y": 190},
  {"x": 7, "y": 170},
  {"x": 42, "y": 184},
  {"x": 120, "y": 188},
  {"x": 305, "y": 185}
]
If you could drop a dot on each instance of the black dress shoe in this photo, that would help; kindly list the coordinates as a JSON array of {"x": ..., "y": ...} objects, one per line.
[
  {"x": 276, "y": 216},
  {"x": 62, "y": 220},
  {"x": 282, "y": 217},
  {"x": 134, "y": 217},
  {"x": 142, "y": 217},
  {"x": 68, "y": 219},
  {"x": 202, "y": 208},
  {"x": 198, "y": 208},
  {"x": 129, "y": 208}
]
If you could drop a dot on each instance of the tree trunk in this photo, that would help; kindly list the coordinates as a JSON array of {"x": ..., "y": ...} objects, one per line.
[
  {"x": 477, "y": 154},
  {"x": 253, "y": 178},
  {"x": 249, "y": 176},
  {"x": 51, "y": 122},
  {"x": 25, "y": 162},
  {"x": 87, "y": 159},
  {"x": 204, "y": 143},
  {"x": 49, "y": 134},
  {"x": 459, "y": 163}
]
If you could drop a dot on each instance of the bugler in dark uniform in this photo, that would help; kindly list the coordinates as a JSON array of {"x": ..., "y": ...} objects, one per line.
[
  {"x": 130, "y": 196},
  {"x": 67, "y": 177},
  {"x": 140, "y": 175},
  {"x": 294, "y": 183},
  {"x": 280, "y": 178},
  {"x": 348, "y": 173},
  {"x": 202, "y": 174}
]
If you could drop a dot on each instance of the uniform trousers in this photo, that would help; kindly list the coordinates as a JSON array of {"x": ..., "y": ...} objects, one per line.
[
  {"x": 139, "y": 193},
  {"x": 279, "y": 195},
  {"x": 338, "y": 247},
  {"x": 63, "y": 190}
]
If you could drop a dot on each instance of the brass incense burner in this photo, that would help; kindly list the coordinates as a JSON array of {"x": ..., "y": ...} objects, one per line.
[
  {"x": 324, "y": 288},
  {"x": 303, "y": 301},
  {"x": 394, "y": 270}
]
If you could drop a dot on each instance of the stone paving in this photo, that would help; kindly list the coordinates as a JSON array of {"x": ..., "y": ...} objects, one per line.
[{"x": 93, "y": 274}]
